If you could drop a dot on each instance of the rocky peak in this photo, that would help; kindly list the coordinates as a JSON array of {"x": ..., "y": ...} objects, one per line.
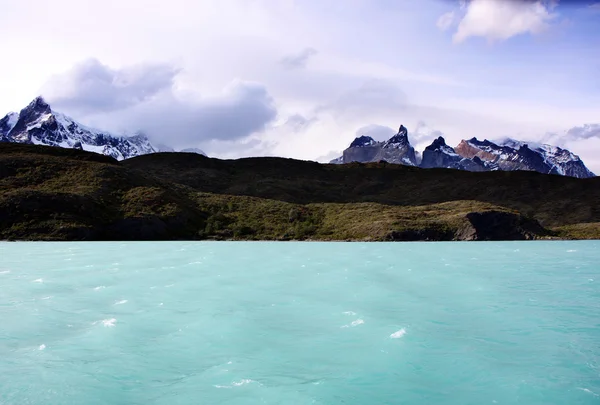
[
  {"x": 38, "y": 110},
  {"x": 35, "y": 109},
  {"x": 399, "y": 140},
  {"x": 362, "y": 141},
  {"x": 438, "y": 143},
  {"x": 438, "y": 154},
  {"x": 39, "y": 124}
]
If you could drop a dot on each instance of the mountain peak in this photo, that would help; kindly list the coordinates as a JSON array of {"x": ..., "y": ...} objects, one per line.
[
  {"x": 363, "y": 140},
  {"x": 438, "y": 143},
  {"x": 38, "y": 105},
  {"x": 402, "y": 130},
  {"x": 398, "y": 140},
  {"x": 38, "y": 124}
]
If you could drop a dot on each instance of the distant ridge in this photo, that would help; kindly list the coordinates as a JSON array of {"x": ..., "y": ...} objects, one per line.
[{"x": 470, "y": 155}]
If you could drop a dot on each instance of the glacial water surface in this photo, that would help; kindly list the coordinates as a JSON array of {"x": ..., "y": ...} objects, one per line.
[{"x": 299, "y": 323}]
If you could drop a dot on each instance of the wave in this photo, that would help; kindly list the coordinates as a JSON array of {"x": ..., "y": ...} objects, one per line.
[
  {"x": 399, "y": 334},
  {"x": 236, "y": 384}
]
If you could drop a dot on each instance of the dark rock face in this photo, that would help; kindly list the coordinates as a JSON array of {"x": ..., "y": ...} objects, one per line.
[
  {"x": 479, "y": 226},
  {"x": 361, "y": 154},
  {"x": 498, "y": 226},
  {"x": 398, "y": 149},
  {"x": 365, "y": 149},
  {"x": 363, "y": 141},
  {"x": 438, "y": 154}
]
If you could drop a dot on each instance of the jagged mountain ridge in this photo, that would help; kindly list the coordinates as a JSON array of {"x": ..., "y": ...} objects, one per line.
[
  {"x": 39, "y": 124},
  {"x": 471, "y": 155},
  {"x": 397, "y": 149}
]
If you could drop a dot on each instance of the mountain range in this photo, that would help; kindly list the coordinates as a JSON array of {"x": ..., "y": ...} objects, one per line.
[
  {"x": 39, "y": 124},
  {"x": 471, "y": 155}
]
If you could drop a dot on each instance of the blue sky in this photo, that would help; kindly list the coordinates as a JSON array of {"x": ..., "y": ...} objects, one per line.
[{"x": 301, "y": 78}]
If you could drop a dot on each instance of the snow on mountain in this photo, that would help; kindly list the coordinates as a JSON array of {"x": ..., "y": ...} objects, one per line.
[
  {"x": 40, "y": 125},
  {"x": 440, "y": 155},
  {"x": 337, "y": 161},
  {"x": 363, "y": 141},
  {"x": 472, "y": 155},
  {"x": 510, "y": 154},
  {"x": 398, "y": 141},
  {"x": 164, "y": 148},
  {"x": 8, "y": 122},
  {"x": 561, "y": 161},
  {"x": 397, "y": 149}
]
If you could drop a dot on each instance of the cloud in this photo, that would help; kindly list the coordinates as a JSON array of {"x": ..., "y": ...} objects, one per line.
[
  {"x": 595, "y": 7},
  {"x": 298, "y": 122},
  {"x": 377, "y": 132},
  {"x": 503, "y": 19},
  {"x": 298, "y": 60},
  {"x": 587, "y": 131},
  {"x": 373, "y": 97},
  {"x": 423, "y": 134},
  {"x": 91, "y": 86},
  {"x": 145, "y": 98},
  {"x": 242, "y": 109},
  {"x": 446, "y": 20},
  {"x": 328, "y": 157}
]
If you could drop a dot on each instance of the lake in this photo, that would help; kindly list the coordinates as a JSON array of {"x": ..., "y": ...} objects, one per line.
[{"x": 300, "y": 323}]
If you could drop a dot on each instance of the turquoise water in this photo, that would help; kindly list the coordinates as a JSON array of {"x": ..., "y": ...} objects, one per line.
[{"x": 300, "y": 323}]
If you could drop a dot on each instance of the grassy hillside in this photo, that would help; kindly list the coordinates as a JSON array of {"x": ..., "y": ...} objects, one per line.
[
  {"x": 553, "y": 200},
  {"x": 60, "y": 194}
]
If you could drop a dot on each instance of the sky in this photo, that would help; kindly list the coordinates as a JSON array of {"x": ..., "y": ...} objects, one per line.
[{"x": 303, "y": 78}]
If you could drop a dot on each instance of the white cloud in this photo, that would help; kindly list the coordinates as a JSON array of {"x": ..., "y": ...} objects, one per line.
[
  {"x": 446, "y": 20},
  {"x": 377, "y": 132},
  {"x": 146, "y": 98},
  {"x": 503, "y": 19},
  {"x": 586, "y": 131},
  {"x": 91, "y": 86},
  {"x": 298, "y": 60}
]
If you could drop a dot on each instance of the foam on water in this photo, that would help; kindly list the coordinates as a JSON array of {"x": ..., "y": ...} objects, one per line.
[
  {"x": 423, "y": 323},
  {"x": 109, "y": 323},
  {"x": 354, "y": 323},
  {"x": 398, "y": 334}
]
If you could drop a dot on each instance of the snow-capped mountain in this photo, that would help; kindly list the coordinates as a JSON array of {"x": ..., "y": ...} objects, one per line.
[
  {"x": 558, "y": 160},
  {"x": 471, "y": 155},
  {"x": 39, "y": 124},
  {"x": 510, "y": 154},
  {"x": 438, "y": 154},
  {"x": 397, "y": 149}
]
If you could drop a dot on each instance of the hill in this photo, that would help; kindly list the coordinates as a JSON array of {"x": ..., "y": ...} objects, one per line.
[{"x": 50, "y": 193}]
